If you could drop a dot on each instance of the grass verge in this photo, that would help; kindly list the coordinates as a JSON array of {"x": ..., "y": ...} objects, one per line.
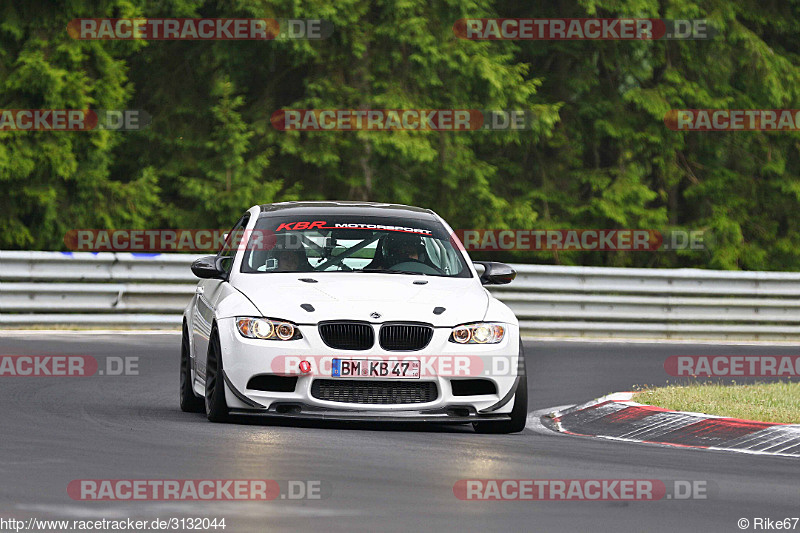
[{"x": 764, "y": 402}]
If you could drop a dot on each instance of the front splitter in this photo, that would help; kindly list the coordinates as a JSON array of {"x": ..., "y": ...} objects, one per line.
[{"x": 408, "y": 417}]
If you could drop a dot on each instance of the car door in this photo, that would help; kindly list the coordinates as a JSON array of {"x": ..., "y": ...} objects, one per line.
[{"x": 208, "y": 291}]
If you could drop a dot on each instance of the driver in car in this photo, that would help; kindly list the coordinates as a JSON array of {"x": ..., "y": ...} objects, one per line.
[
  {"x": 406, "y": 250},
  {"x": 398, "y": 248},
  {"x": 282, "y": 256},
  {"x": 288, "y": 261}
]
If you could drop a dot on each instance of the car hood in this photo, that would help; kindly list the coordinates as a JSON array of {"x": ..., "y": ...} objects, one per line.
[{"x": 355, "y": 296}]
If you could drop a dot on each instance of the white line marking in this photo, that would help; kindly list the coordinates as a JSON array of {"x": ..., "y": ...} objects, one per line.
[
  {"x": 615, "y": 340},
  {"x": 51, "y": 332}
]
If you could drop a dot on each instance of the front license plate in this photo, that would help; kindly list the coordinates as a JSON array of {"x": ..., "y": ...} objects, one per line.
[{"x": 366, "y": 368}]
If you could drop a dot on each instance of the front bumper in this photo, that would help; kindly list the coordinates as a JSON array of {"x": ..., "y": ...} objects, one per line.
[{"x": 245, "y": 358}]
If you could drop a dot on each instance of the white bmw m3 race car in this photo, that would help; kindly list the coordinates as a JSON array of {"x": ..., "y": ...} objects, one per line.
[{"x": 351, "y": 311}]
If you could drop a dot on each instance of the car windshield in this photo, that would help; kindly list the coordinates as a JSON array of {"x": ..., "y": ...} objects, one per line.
[{"x": 380, "y": 245}]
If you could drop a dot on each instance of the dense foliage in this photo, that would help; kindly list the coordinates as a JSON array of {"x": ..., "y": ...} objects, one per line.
[{"x": 598, "y": 154}]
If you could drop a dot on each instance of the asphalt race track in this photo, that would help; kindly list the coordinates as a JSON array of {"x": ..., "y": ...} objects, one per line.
[{"x": 57, "y": 429}]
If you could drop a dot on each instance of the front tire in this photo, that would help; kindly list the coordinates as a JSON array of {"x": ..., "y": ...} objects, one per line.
[
  {"x": 519, "y": 413},
  {"x": 216, "y": 406},
  {"x": 188, "y": 401}
]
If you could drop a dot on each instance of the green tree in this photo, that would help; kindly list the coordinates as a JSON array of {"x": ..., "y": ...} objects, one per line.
[{"x": 56, "y": 181}]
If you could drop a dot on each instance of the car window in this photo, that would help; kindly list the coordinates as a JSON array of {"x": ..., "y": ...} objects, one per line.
[
  {"x": 232, "y": 243},
  {"x": 348, "y": 243}
]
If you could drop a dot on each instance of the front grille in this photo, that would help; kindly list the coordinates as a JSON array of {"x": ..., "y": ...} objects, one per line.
[
  {"x": 347, "y": 335},
  {"x": 405, "y": 337},
  {"x": 374, "y": 392}
]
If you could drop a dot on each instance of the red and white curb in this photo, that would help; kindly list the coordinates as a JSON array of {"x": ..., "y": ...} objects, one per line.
[{"x": 617, "y": 417}]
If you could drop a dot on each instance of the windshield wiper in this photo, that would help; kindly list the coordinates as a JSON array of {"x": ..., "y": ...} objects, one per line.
[{"x": 398, "y": 272}]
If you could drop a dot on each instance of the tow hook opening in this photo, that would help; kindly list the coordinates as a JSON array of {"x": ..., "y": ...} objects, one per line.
[
  {"x": 458, "y": 411},
  {"x": 288, "y": 408}
]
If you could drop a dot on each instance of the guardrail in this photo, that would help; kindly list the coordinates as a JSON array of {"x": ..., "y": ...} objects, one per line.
[{"x": 150, "y": 291}]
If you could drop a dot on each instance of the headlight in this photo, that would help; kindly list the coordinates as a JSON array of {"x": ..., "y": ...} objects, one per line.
[
  {"x": 265, "y": 328},
  {"x": 479, "y": 333}
]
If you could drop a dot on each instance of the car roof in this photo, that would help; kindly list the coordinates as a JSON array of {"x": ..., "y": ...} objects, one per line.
[{"x": 347, "y": 208}]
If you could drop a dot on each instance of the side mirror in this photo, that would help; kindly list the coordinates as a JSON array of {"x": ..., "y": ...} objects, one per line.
[
  {"x": 496, "y": 273},
  {"x": 208, "y": 268}
]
